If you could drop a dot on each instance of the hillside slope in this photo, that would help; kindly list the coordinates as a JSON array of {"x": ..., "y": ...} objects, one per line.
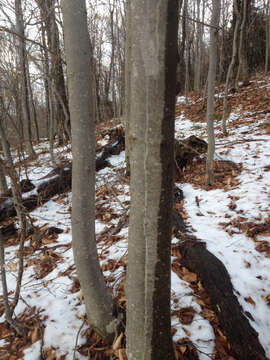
[{"x": 232, "y": 217}]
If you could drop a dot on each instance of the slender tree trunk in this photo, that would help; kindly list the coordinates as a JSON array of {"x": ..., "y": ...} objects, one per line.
[
  {"x": 23, "y": 76},
  {"x": 47, "y": 10},
  {"x": 180, "y": 70},
  {"x": 197, "y": 70},
  {"x": 211, "y": 90},
  {"x": 151, "y": 138},
  {"x": 32, "y": 108},
  {"x": 242, "y": 66},
  {"x": 99, "y": 304},
  {"x": 3, "y": 181},
  {"x": 232, "y": 63},
  {"x": 17, "y": 199},
  {"x": 46, "y": 78},
  {"x": 267, "y": 39},
  {"x": 127, "y": 84}
]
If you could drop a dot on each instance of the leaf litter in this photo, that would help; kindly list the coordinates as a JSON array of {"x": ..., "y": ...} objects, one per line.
[{"x": 231, "y": 217}]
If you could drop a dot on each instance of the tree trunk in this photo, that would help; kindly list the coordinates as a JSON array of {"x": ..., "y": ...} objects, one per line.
[
  {"x": 127, "y": 83},
  {"x": 242, "y": 55},
  {"x": 234, "y": 55},
  {"x": 151, "y": 139},
  {"x": 267, "y": 37},
  {"x": 23, "y": 77},
  {"x": 198, "y": 50},
  {"x": 47, "y": 10},
  {"x": 3, "y": 181},
  {"x": 99, "y": 304},
  {"x": 211, "y": 90}
]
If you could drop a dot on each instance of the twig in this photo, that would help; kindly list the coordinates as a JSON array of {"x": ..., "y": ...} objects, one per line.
[
  {"x": 111, "y": 188},
  {"x": 8, "y": 311},
  {"x": 77, "y": 339}
]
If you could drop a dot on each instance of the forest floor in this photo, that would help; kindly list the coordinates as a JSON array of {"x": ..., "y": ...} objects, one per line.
[{"x": 232, "y": 217}]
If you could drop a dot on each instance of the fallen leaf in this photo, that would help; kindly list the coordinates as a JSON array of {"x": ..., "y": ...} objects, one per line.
[
  {"x": 250, "y": 301},
  {"x": 117, "y": 343},
  {"x": 34, "y": 335}
]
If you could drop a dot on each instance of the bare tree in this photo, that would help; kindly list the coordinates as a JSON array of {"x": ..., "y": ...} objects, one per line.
[
  {"x": 56, "y": 79},
  {"x": 151, "y": 139},
  {"x": 229, "y": 72},
  {"x": 242, "y": 53},
  {"x": 267, "y": 37},
  {"x": 99, "y": 305},
  {"x": 211, "y": 90},
  {"x": 23, "y": 77}
]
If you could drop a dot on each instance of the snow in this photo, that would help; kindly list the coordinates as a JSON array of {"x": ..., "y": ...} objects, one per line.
[{"x": 62, "y": 311}]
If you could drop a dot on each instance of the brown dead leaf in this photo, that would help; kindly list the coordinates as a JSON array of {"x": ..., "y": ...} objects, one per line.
[
  {"x": 250, "y": 301},
  {"x": 117, "y": 343},
  {"x": 267, "y": 299},
  {"x": 122, "y": 354},
  {"x": 34, "y": 335},
  {"x": 12, "y": 266},
  {"x": 209, "y": 314},
  {"x": 186, "y": 315},
  {"x": 188, "y": 276}
]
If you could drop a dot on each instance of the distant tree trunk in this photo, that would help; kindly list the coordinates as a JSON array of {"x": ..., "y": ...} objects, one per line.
[
  {"x": 198, "y": 63},
  {"x": 180, "y": 69},
  {"x": 47, "y": 9},
  {"x": 3, "y": 181},
  {"x": 127, "y": 84},
  {"x": 211, "y": 90},
  {"x": 242, "y": 51},
  {"x": 267, "y": 39},
  {"x": 151, "y": 139},
  {"x": 232, "y": 63},
  {"x": 187, "y": 51},
  {"x": 99, "y": 304},
  {"x": 23, "y": 77},
  {"x": 32, "y": 108}
]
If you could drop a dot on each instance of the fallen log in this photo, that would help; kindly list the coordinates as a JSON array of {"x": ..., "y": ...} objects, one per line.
[
  {"x": 217, "y": 283},
  {"x": 58, "y": 180},
  {"x": 186, "y": 150},
  {"x": 8, "y": 230}
]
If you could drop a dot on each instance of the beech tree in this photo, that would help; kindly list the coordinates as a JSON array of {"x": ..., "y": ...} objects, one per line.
[
  {"x": 152, "y": 90},
  {"x": 211, "y": 89},
  {"x": 151, "y": 141},
  {"x": 23, "y": 76},
  {"x": 231, "y": 66},
  {"x": 98, "y": 302}
]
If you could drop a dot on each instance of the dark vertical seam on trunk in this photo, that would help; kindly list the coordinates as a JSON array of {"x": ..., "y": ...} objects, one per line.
[{"x": 161, "y": 298}]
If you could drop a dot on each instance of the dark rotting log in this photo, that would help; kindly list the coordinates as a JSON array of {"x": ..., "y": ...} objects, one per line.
[
  {"x": 217, "y": 283},
  {"x": 58, "y": 181},
  {"x": 186, "y": 150},
  {"x": 178, "y": 224},
  {"x": 26, "y": 186},
  {"x": 8, "y": 230}
]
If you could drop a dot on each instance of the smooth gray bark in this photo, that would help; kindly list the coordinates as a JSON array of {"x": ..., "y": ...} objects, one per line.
[
  {"x": 99, "y": 304},
  {"x": 23, "y": 77},
  {"x": 62, "y": 116},
  {"x": 233, "y": 59},
  {"x": 127, "y": 83},
  {"x": 241, "y": 49},
  {"x": 211, "y": 90},
  {"x": 151, "y": 141}
]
